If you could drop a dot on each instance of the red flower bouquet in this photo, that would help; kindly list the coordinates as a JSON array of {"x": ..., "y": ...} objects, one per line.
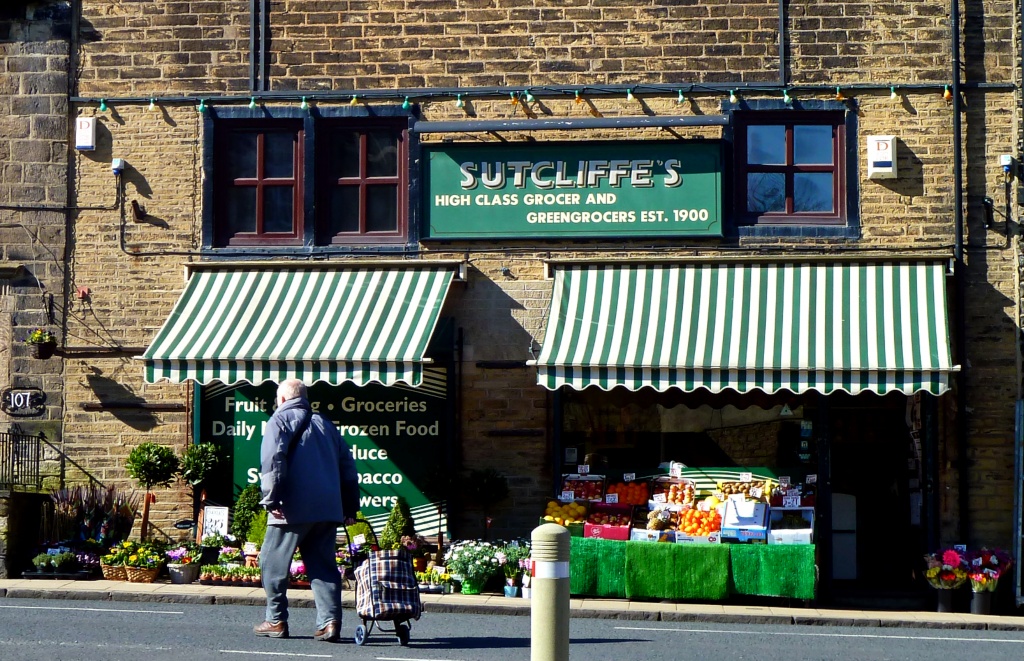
[{"x": 985, "y": 566}]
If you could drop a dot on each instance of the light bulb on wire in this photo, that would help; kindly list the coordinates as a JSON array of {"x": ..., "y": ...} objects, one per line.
[
  {"x": 459, "y": 103},
  {"x": 579, "y": 99},
  {"x": 947, "y": 94},
  {"x": 529, "y": 97},
  {"x": 406, "y": 104},
  {"x": 202, "y": 106},
  {"x": 839, "y": 95},
  {"x": 152, "y": 105},
  {"x": 732, "y": 97},
  {"x": 354, "y": 100},
  {"x": 680, "y": 100},
  {"x": 252, "y": 103},
  {"x": 304, "y": 105},
  {"x": 629, "y": 95},
  {"x": 103, "y": 105},
  {"x": 892, "y": 93},
  {"x": 513, "y": 98},
  {"x": 786, "y": 98}
]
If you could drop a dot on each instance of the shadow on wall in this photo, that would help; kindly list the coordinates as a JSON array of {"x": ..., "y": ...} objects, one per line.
[
  {"x": 121, "y": 402},
  {"x": 484, "y": 309}
]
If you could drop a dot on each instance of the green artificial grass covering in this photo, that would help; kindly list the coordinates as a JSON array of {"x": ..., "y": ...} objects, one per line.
[
  {"x": 597, "y": 567},
  {"x": 661, "y": 570},
  {"x": 773, "y": 570}
]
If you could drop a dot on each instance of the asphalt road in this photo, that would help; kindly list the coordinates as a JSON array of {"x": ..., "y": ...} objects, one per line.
[{"x": 61, "y": 630}]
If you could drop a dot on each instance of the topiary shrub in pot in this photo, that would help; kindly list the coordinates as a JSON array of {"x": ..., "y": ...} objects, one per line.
[{"x": 151, "y": 464}]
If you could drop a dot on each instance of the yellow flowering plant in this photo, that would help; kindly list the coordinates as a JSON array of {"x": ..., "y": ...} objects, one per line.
[{"x": 39, "y": 336}]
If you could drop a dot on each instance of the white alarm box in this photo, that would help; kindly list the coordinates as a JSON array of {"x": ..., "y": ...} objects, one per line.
[
  {"x": 85, "y": 133},
  {"x": 881, "y": 157}
]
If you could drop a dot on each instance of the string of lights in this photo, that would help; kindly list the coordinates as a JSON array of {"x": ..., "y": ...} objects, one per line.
[{"x": 533, "y": 94}]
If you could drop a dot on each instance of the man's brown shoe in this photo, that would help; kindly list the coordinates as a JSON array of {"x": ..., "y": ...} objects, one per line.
[
  {"x": 329, "y": 633},
  {"x": 271, "y": 629}
]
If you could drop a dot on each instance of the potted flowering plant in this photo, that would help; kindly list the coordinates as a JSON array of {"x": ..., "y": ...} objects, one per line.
[
  {"x": 473, "y": 561},
  {"x": 509, "y": 558},
  {"x": 143, "y": 564},
  {"x": 297, "y": 572},
  {"x": 42, "y": 343},
  {"x": 183, "y": 563}
]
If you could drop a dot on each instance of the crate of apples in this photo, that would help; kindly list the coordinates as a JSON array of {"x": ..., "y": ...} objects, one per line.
[
  {"x": 584, "y": 488},
  {"x": 609, "y": 521}
]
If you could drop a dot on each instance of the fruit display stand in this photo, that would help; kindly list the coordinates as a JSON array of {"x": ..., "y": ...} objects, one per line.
[{"x": 649, "y": 570}]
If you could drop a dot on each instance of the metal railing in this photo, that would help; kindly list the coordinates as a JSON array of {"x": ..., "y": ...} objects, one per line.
[{"x": 19, "y": 460}]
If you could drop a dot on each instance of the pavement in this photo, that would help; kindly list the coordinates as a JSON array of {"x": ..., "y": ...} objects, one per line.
[{"x": 495, "y": 604}]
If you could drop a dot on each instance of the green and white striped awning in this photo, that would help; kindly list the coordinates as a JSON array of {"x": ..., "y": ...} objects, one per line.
[
  {"x": 359, "y": 324},
  {"x": 830, "y": 326}
]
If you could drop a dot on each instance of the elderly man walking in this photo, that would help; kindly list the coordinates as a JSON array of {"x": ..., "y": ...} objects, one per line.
[{"x": 309, "y": 487}]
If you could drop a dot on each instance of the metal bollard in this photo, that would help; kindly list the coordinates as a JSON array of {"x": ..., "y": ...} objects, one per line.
[{"x": 549, "y": 602}]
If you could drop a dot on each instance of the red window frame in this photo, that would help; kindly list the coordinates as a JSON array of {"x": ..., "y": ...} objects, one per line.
[
  {"x": 260, "y": 182},
  {"x": 328, "y": 181},
  {"x": 789, "y": 119}
]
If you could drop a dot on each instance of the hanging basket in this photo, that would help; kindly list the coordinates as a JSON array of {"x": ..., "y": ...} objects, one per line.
[
  {"x": 113, "y": 572},
  {"x": 43, "y": 350},
  {"x": 141, "y": 575}
]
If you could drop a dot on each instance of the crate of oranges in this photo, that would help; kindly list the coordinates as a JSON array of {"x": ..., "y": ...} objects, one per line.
[
  {"x": 628, "y": 493},
  {"x": 699, "y": 525}
]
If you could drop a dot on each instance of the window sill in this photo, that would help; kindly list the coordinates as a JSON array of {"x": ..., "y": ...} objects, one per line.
[{"x": 799, "y": 231}]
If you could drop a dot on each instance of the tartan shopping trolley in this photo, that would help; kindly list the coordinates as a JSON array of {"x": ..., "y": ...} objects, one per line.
[{"x": 386, "y": 591}]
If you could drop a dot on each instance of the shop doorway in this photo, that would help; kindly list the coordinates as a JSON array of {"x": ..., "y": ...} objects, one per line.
[{"x": 878, "y": 533}]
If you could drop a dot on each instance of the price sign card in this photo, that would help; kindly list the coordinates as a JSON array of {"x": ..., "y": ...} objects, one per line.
[
  {"x": 611, "y": 498},
  {"x": 791, "y": 501},
  {"x": 783, "y": 480},
  {"x": 359, "y": 540},
  {"x": 756, "y": 492},
  {"x": 746, "y": 477},
  {"x": 583, "y": 469},
  {"x": 567, "y": 496},
  {"x": 812, "y": 479},
  {"x": 628, "y": 477},
  {"x": 658, "y": 498}
]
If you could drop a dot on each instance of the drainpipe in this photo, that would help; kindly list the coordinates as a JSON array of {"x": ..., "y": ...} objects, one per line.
[{"x": 959, "y": 280}]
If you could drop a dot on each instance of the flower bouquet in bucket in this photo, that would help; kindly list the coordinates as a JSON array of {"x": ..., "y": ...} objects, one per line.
[
  {"x": 945, "y": 570},
  {"x": 985, "y": 567}
]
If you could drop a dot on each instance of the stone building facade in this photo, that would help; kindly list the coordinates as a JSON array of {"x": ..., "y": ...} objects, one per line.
[{"x": 159, "y": 78}]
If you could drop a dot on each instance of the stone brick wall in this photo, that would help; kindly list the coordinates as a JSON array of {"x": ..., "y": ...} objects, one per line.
[
  {"x": 33, "y": 191},
  {"x": 167, "y": 49}
]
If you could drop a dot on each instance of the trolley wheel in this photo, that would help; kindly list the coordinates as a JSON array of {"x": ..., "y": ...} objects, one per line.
[
  {"x": 402, "y": 631},
  {"x": 360, "y": 635}
]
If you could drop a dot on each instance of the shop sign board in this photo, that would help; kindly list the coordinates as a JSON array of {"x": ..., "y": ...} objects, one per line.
[
  {"x": 398, "y": 435},
  {"x": 579, "y": 190}
]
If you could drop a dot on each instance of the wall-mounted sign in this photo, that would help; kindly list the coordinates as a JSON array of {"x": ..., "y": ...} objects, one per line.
[
  {"x": 585, "y": 190},
  {"x": 23, "y": 402},
  {"x": 397, "y": 435}
]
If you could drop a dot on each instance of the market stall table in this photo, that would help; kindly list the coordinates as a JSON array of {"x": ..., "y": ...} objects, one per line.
[{"x": 708, "y": 572}]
